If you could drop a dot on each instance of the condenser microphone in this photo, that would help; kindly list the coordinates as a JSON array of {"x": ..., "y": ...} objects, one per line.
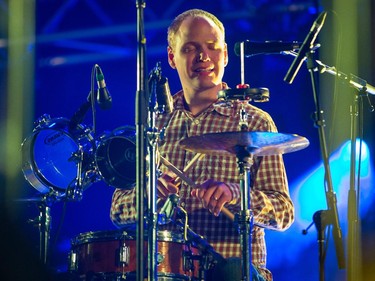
[
  {"x": 164, "y": 97},
  {"x": 168, "y": 209},
  {"x": 252, "y": 48},
  {"x": 103, "y": 97},
  {"x": 305, "y": 48}
]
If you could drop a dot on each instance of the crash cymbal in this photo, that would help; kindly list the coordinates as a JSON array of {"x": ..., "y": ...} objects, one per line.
[{"x": 255, "y": 143}]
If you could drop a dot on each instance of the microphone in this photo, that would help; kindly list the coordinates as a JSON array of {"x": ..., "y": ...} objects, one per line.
[
  {"x": 160, "y": 91},
  {"x": 103, "y": 97},
  {"x": 163, "y": 96},
  {"x": 166, "y": 212},
  {"x": 306, "y": 46},
  {"x": 267, "y": 47}
]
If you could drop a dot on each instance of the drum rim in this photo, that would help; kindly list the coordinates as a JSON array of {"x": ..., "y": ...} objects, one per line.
[
  {"x": 30, "y": 168},
  {"x": 114, "y": 235},
  {"x": 38, "y": 180}
]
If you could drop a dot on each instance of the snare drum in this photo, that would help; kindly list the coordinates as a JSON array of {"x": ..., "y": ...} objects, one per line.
[
  {"x": 111, "y": 255},
  {"x": 115, "y": 157},
  {"x": 50, "y": 161}
]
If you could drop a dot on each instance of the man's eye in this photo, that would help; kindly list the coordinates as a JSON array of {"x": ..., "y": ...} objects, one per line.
[
  {"x": 188, "y": 49},
  {"x": 214, "y": 46}
]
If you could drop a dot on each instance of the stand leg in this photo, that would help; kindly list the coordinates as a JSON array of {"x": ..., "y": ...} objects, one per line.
[
  {"x": 44, "y": 223},
  {"x": 319, "y": 219}
]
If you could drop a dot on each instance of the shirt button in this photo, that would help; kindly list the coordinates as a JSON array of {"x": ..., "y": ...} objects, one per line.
[{"x": 196, "y": 122}]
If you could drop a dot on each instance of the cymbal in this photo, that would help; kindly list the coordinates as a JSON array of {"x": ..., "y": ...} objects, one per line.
[{"x": 255, "y": 143}]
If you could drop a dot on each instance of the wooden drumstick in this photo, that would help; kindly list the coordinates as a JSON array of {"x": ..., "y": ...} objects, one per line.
[
  {"x": 190, "y": 182},
  {"x": 197, "y": 157}
]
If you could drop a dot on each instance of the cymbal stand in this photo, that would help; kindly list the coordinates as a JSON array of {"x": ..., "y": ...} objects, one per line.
[
  {"x": 153, "y": 137},
  {"x": 43, "y": 221},
  {"x": 245, "y": 218}
]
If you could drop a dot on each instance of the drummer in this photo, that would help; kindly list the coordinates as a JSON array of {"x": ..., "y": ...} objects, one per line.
[{"x": 198, "y": 51}]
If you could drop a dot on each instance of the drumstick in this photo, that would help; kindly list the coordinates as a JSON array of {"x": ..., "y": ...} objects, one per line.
[
  {"x": 197, "y": 157},
  {"x": 190, "y": 182}
]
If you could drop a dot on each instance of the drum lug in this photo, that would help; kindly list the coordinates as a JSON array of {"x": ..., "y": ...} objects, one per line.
[
  {"x": 123, "y": 255},
  {"x": 41, "y": 121},
  {"x": 159, "y": 258},
  {"x": 73, "y": 265}
]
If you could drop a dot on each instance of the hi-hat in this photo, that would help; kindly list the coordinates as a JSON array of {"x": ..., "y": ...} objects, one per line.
[{"x": 255, "y": 143}]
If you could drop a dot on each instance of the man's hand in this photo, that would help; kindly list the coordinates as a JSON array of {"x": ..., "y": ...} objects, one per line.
[
  {"x": 166, "y": 185},
  {"x": 213, "y": 195}
]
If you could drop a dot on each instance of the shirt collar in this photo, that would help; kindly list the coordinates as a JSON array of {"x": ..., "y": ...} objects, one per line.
[{"x": 221, "y": 109}]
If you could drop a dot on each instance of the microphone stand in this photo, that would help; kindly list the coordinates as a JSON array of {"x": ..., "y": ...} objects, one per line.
[
  {"x": 354, "y": 226},
  {"x": 353, "y": 242},
  {"x": 329, "y": 192},
  {"x": 141, "y": 121}
]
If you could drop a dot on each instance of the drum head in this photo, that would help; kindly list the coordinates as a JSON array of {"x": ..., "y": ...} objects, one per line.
[
  {"x": 49, "y": 161},
  {"x": 116, "y": 158}
]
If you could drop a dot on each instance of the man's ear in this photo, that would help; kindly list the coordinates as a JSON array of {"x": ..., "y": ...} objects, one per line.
[
  {"x": 226, "y": 58},
  {"x": 171, "y": 57}
]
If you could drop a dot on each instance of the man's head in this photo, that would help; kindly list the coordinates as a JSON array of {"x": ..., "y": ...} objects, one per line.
[
  {"x": 176, "y": 23},
  {"x": 197, "y": 49}
]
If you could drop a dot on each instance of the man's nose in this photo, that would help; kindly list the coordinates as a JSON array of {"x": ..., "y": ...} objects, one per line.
[{"x": 203, "y": 56}]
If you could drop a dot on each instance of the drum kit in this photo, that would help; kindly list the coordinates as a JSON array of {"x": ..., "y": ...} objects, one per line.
[
  {"x": 62, "y": 158},
  {"x": 61, "y": 161}
]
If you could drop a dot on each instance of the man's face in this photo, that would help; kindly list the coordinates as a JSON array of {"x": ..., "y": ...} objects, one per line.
[{"x": 199, "y": 55}]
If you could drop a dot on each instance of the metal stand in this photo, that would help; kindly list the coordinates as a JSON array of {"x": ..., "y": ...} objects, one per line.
[
  {"x": 353, "y": 219},
  {"x": 330, "y": 194},
  {"x": 145, "y": 141},
  {"x": 354, "y": 225},
  {"x": 141, "y": 121},
  {"x": 153, "y": 137},
  {"x": 44, "y": 223},
  {"x": 245, "y": 218}
]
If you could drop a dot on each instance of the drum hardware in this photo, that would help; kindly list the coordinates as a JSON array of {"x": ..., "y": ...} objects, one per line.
[
  {"x": 245, "y": 94},
  {"x": 43, "y": 222},
  {"x": 123, "y": 255},
  {"x": 207, "y": 256}
]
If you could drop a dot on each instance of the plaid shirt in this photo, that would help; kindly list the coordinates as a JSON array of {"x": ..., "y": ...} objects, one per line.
[{"x": 270, "y": 201}]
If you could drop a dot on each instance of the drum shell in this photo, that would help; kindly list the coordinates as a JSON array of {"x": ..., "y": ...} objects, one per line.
[
  {"x": 48, "y": 154},
  {"x": 115, "y": 157},
  {"x": 98, "y": 253}
]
